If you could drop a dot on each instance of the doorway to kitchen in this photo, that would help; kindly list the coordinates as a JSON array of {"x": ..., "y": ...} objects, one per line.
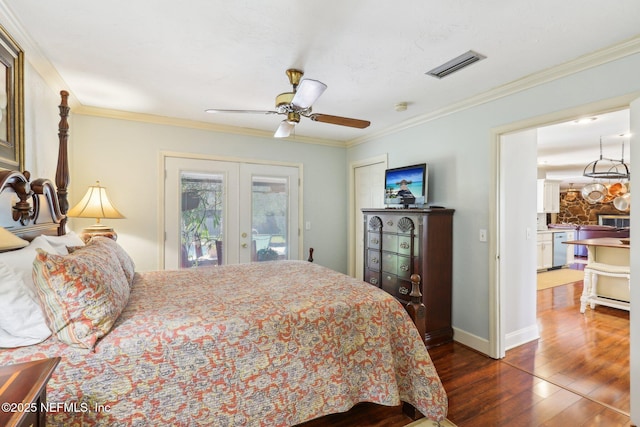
[{"x": 515, "y": 268}]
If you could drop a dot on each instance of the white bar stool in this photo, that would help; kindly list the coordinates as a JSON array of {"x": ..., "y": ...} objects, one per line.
[{"x": 590, "y": 291}]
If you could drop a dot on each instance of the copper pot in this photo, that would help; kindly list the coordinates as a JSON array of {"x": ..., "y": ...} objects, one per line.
[{"x": 617, "y": 189}]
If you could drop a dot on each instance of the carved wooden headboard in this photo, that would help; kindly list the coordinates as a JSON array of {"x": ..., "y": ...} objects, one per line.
[{"x": 30, "y": 208}]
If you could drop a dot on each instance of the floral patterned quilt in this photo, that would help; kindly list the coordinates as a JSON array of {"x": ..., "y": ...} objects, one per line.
[{"x": 263, "y": 344}]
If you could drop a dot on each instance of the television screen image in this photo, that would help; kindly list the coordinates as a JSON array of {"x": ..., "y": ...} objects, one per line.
[{"x": 406, "y": 186}]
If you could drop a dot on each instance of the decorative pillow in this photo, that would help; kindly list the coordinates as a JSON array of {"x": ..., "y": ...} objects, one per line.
[
  {"x": 60, "y": 243},
  {"x": 126, "y": 262},
  {"x": 22, "y": 321},
  {"x": 82, "y": 294}
]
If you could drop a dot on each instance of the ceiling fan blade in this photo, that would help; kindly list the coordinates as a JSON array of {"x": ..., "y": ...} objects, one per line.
[
  {"x": 215, "y": 110},
  {"x": 337, "y": 120},
  {"x": 284, "y": 130},
  {"x": 307, "y": 93}
]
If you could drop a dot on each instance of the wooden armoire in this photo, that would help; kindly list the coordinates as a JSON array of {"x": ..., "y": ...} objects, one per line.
[{"x": 402, "y": 242}]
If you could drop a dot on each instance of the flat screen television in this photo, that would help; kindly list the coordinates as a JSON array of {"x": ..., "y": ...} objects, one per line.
[{"x": 406, "y": 186}]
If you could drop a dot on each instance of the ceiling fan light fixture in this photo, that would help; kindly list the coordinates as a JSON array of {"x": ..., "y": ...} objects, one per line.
[
  {"x": 307, "y": 93},
  {"x": 284, "y": 99},
  {"x": 294, "y": 76},
  {"x": 293, "y": 118},
  {"x": 298, "y": 103},
  {"x": 284, "y": 130}
]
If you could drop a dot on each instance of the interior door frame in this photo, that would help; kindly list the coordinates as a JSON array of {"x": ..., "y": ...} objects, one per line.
[
  {"x": 162, "y": 155},
  {"x": 500, "y": 244},
  {"x": 353, "y": 222}
]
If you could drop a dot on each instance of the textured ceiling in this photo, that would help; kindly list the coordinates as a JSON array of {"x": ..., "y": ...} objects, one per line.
[
  {"x": 170, "y": 59},
  {"x": 177, "y": 59}
]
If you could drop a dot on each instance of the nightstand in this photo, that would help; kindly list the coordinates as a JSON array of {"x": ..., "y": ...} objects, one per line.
[{"x": 23, "y": 392}]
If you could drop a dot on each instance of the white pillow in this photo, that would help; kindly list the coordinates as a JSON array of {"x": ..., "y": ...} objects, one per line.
[
  {"x": 21, "y": 318},
  {"x": 60, "y": 243}
]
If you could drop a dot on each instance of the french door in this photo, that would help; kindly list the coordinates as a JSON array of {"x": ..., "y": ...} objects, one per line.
[{"x": 226, "y": 212}]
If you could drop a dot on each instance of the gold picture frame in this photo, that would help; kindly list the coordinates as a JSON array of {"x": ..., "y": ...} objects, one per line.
[{"x": 11, "y": 103}]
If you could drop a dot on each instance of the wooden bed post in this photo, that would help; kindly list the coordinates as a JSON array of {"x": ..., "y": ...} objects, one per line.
[
  {"x": 416, "y": 309},
  {"x": 418, "y": 313},
  {"x": 62, "y": 170}
]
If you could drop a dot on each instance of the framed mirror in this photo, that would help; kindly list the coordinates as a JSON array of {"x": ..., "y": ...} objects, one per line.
[{"x": 11, "y": 103}]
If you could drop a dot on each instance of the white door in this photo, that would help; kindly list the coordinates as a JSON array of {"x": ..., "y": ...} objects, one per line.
[
  {"x": 268, "y": 212},
  {"x": 369, "y": 193},
  {"x": 224, "y": 212}
]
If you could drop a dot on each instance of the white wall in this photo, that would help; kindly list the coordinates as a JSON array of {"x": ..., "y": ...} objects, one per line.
[
  {"x": 124, "y": 156},
  {"x": 41, "y": 119},
  {"x": 460, "y": 150},
  {"x": 635, "y": 263},
  {"x": 518, "y": 160}
]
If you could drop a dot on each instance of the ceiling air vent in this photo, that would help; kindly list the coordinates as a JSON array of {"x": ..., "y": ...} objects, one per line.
[{"x": 455, "y": 64}]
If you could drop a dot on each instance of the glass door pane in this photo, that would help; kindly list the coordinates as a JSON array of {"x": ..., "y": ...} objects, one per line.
[
  {"x": 269, "y": 212},
  {"x": 200, "y": 213},
  {"x": 269, "y": 217},
  {"x": 222, "y": 212},
  {"x": 202, "y": 216}
]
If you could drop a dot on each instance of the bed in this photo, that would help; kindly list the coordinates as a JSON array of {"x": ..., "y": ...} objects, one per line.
[{"x": 272, "y": 343}]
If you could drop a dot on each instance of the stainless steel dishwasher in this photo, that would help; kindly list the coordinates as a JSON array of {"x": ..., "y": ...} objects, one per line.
[{"x": 559, "y": 249}]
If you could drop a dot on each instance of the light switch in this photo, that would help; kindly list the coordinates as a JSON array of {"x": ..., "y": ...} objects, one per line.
[{"x": 483, "y": 235}]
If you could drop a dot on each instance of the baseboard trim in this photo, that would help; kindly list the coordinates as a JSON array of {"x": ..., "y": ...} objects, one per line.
[
  {"x": 521, "y": 336},
  {"x": 512, "y": 340},
  {"x": 470, "y": 340}
]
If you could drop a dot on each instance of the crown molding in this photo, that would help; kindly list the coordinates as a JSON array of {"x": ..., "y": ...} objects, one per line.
[
  {"x": 585, "y": 62},
  {"x": 193, "y": 124}
]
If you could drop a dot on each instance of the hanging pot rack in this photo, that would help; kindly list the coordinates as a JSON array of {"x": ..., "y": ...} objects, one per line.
[{"x": 605, "y": 168}]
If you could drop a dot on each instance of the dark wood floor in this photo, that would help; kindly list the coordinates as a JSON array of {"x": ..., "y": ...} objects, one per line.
[
  {"x": 586, "y": 353},
  {"x": 576, "y": 374}
]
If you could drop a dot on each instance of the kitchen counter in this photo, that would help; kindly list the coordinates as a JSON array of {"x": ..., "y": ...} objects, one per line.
[
  {"x": 606, "y": 274},
  {"x": 610, "y": 242}
]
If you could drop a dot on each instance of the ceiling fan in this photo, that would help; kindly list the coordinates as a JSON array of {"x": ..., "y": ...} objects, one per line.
[{"x": 298, "y": 103}]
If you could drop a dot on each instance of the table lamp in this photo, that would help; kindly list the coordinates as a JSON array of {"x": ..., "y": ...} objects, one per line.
[
  {"x": 9, "y": 241},
  {"x": 96, "y": 204}
]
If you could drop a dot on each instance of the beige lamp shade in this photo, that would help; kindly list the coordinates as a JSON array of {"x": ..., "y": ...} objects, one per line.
[
  {"x": 95, "y": 204},
  {"x": 9, "y": 241}
]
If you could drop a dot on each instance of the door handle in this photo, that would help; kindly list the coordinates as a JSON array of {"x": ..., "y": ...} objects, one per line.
[{"x": 244, "y": 245}]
